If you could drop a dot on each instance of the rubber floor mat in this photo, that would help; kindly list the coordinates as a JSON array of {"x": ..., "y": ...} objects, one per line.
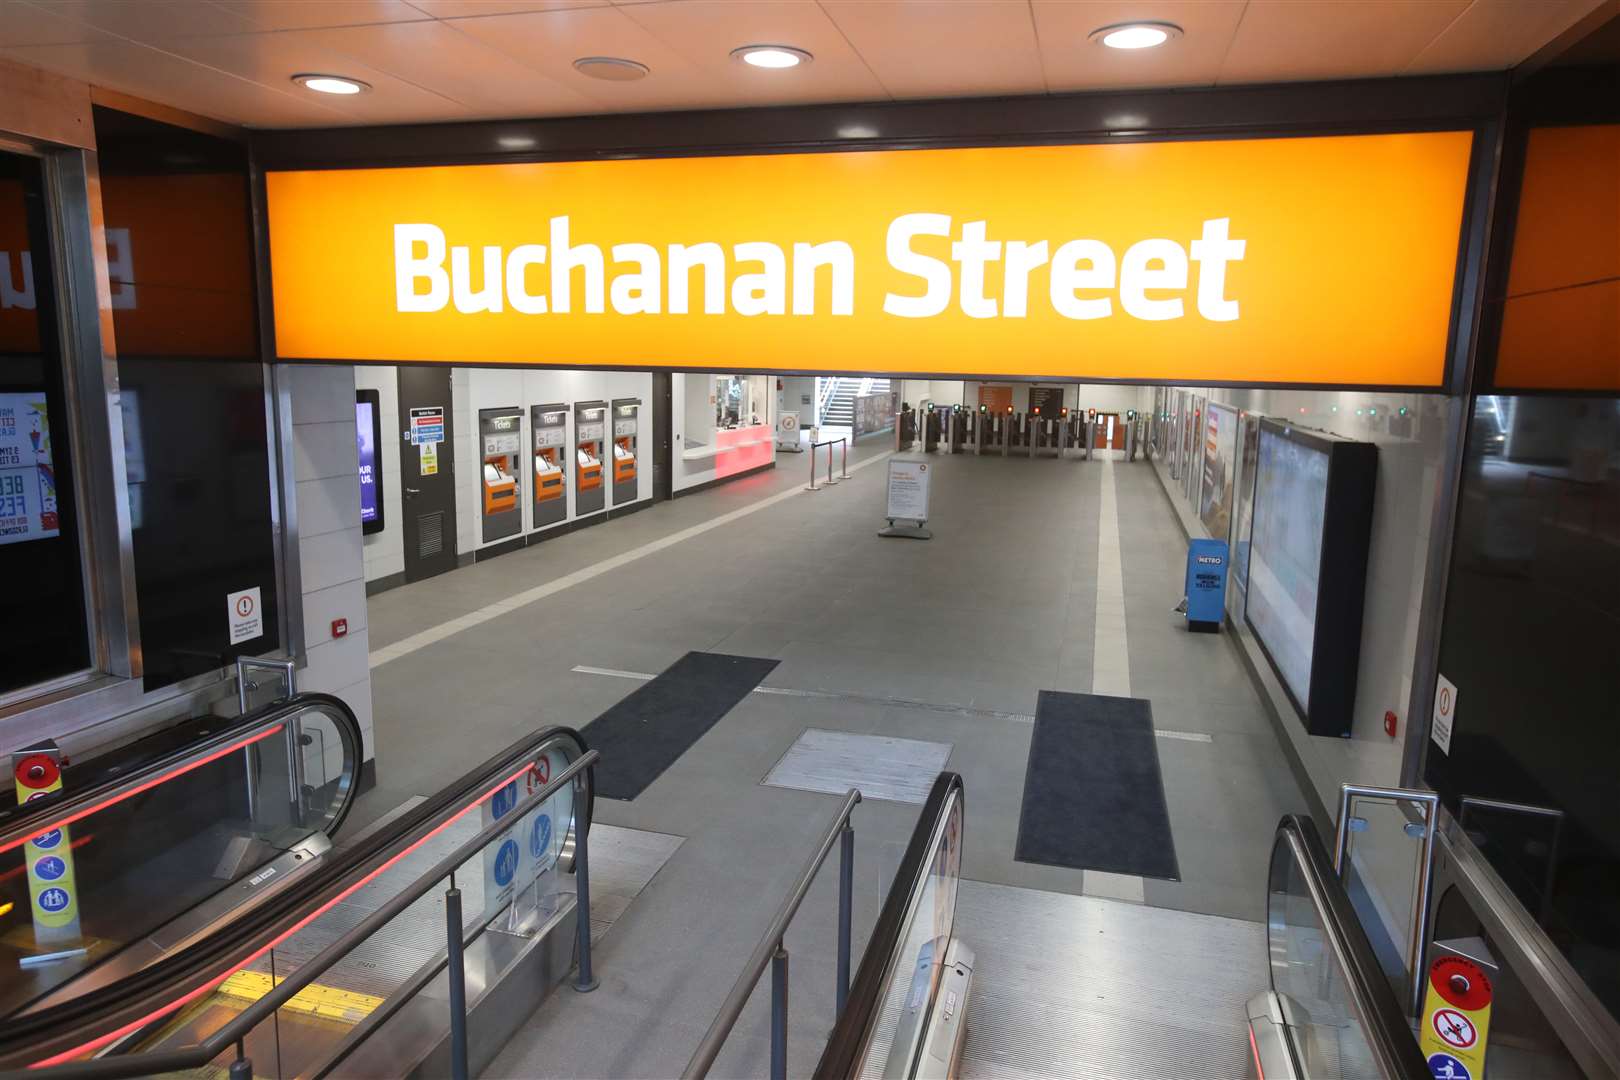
[
  {"x": 1093, "y": 793},
  {"x": 648, "y": 731}
]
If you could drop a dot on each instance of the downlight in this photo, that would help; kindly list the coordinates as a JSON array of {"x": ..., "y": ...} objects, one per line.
[
  {"x": 1141, "y": 35},
  {"x": 774, "y": 57},
  {"x": 331, "y": 84},
  {"x": 611, "y": 68}
]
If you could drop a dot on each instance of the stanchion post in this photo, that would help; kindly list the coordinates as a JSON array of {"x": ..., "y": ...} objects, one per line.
[
  {"x": 779, "y": 1013},
  {"x": 844, "y": 468},
  {"x": 812, "y": 487},
  {"x": 830, "y": 480},
  {"x": 457, "y": 971}
]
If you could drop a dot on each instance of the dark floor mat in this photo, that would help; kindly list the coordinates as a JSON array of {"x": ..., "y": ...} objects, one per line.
[
  {"x": 648, "y": 731},
  {"x": 1093, "y": 794}
]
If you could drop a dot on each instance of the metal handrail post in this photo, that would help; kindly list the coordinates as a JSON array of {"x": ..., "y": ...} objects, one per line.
[
  {"x": 456, "y": 971},
  {"x": 830, "y": 444},
  {"x": 766, "y": 952},
  {"x": 584, "y": 980},
  {"x": 846, "y": 907},
  {"x": 779, "y": 1012},
  {"x": 1417, "y": 945},
  {"x": 813, "y": 447},
  {"x": 844, "y": 468}
]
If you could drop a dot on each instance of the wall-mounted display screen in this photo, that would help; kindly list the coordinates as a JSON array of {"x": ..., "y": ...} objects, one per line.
[
  {"x": 367, "y": 438},
  {"x": 1243, "y": 499},
  {"x": 1285, "y": 554},
  {"x": 27, "y": 475},
  {"x": 1307, "y": 570},
  {"x": 1220, "y": 458}
]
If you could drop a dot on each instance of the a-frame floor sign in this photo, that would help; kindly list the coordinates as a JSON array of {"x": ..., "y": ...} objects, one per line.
[{"x": 907, "y": 499}]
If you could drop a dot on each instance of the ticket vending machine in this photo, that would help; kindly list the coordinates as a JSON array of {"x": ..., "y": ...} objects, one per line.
[
  {"x": 590, "y": 442},
  {"x": 500, "y": 434},
  {"x": 550, "y": 426},
  {"x": 626, "y": 415}
]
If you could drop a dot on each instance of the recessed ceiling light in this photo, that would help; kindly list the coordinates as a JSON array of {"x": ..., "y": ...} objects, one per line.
[
  {"x": 516, "y": 142},
  {"x": 611, "y": 68},
  {"x": 330, "y": 84},
  {"x": 771, "y": 56},
  {"x": 1141, "y": 35},
  {"x": 857, "y": 131}
]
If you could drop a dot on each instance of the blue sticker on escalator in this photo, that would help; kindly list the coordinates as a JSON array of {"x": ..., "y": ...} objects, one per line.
[
  {"x": 540, "y": 838},
  {"x": 1446, "y": 1067},
  {"x": 506, "y": 860}
]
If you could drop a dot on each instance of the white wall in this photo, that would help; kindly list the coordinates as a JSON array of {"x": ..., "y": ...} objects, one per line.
[
  {"x": 472, "y": 389},
  {"x": 1410, "y": 451},
  {"x": 326, "y": 472},
  {"x": 385, "y": 551}
]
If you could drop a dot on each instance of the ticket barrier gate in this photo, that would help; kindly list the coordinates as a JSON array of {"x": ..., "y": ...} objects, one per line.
[
  {"x": 931, "y": 430},
  {"x": 1045, "y": 435},
  {"x": 956, "y": 430}
]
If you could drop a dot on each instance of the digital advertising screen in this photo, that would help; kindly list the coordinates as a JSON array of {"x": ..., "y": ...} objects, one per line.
[
  {"x": 27, "y": 475},
  {"x": 1285, "y": 554},
  {"x": 368, "y": 434},
  {"x": 1220, "y": 458},
  {"x": 1249, "y": 437}
]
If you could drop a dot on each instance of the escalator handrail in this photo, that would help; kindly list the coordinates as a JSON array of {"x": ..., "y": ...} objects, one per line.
[
  {"x": 1384, "y": 1022},
  {"x": 849, "y": 1035},
  {"x": 194, "y": 971},
  {"x": 22, "y": 823}
]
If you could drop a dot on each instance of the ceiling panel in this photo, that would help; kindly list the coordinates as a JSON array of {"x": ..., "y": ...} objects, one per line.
[
  {"x": 315, "y": 14},
  {"x": 944, "y": 48},
  {"x": 1333, "y": 39},
  {"x": 31, "y": 24},
  {"x": 437, "y": 57},
  {"x": 466, "y": 9},
  {"x": 171, "y": 80},
  {"x": 273, "y": 59},
  {"x": 1498, "y": 34},
  {"x": 552, "y": 41},
  {"x": 1074, "y": 62},
  {"x": 705, "y": 32},
  {"x": 150, "y": 20}
]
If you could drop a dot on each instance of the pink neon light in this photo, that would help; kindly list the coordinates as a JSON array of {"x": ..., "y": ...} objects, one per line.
[
  {"x": 102, "y": 1040},
  {"x": 137, "y": 789}
]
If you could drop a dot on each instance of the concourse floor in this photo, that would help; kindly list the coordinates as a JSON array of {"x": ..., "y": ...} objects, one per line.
[{"x": 1042, "y": 574}]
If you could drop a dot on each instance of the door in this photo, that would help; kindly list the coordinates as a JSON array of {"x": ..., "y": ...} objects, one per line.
[
  {"x": 1110, "y": 432},
  {"x": 663, "y": 477},
  {"x": 427, "y": 472}
]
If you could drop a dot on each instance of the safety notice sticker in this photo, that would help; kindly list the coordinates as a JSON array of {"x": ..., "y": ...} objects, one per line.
[
  {"x": 244, "y": 611},
  {"x": 1445, "y": 709}
]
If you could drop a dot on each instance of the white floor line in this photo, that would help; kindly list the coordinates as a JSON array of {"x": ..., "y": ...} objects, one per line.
[
  {"x": 787, "y": 691},
  {"x": 1111, "y": 659},
  {"x": 434, "y": 634}
]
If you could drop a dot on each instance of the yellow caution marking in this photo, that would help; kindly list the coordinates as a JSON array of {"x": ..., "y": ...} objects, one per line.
[{"x": 327, "y": 1002}]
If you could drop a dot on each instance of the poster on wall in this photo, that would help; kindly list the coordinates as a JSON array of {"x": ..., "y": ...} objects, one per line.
[
  {"x": 367, "y": 437},
  {"x": 1173, "y": 434},
  {"x": 1249, "y": 437},
  {"x": 1191, "y": 412},
  {"x": 1220, "y": 458},
  {"x": 27, "y": 474}
]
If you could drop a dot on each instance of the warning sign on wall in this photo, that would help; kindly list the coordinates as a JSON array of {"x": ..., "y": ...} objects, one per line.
[
  {"x": 1445, "y": 710},
  {"x": 245, "y": 613}
]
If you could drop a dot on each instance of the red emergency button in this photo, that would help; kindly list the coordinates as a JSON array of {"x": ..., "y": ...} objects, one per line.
[{"x": 37, "y": 771}]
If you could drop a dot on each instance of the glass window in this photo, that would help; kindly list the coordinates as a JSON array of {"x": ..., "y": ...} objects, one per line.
[{"x": 42, "y": 598}]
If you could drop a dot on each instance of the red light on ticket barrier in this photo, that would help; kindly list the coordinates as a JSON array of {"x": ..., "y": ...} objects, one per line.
[
  {"x": 1009, "y": 410},
  {"x": 1064, "y": 412},
  {"x": 1037, "y": 410}
]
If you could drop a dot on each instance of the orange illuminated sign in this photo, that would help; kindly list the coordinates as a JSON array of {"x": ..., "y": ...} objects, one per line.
[{"x": 1296, "y": 260}]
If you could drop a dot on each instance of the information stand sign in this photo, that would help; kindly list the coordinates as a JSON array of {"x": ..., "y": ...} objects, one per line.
[{"x": 907, "y": 499}]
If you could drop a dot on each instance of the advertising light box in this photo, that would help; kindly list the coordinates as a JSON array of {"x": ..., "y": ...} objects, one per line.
[
  {"x": 27, "y": 473},
  {"x": 1307, "y": 566},
  {"x": 368, "y": 437},
  {"x": 1306, "y": 261}
]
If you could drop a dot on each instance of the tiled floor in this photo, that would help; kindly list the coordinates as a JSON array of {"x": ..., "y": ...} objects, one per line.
[{"x": 946, "y": 641}]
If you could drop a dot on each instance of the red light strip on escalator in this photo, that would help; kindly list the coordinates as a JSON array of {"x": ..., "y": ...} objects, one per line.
[
  {"x": 1255, "y": 1050},
  {"x": 138, "y": 788},
  {"x": 156, "y": 1014}
]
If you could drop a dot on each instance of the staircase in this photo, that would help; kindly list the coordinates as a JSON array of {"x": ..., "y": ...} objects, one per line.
[{"x": 836, "y": 396}]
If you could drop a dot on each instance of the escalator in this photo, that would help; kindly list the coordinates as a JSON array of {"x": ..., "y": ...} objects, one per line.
[
  {"x": 109, "y": 865},
  {"x": 353, "y": 945},
  {"x": 1329, "y": 1012}
]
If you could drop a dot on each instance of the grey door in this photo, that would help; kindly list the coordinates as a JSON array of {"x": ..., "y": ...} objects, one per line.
[{"x": 427, "y": 473}]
